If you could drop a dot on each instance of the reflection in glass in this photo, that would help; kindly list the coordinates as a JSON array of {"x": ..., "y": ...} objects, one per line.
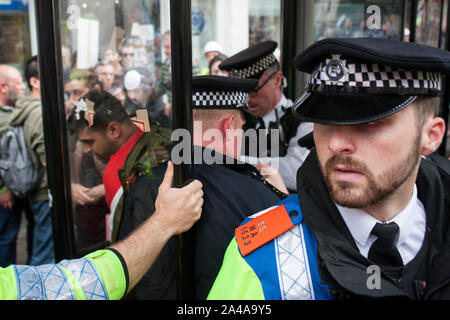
[
  {"x": 14, "y": 34},
  {"x": 428, "y": 22},
  {"x": 116, "y": 73},
  {"x": 117, "y": 47},
  {"x": 229, "y": 26},
  {"x": 352, "y": 19}
]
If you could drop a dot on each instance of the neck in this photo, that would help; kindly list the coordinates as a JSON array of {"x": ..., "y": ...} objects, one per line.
[
  {"x": 35, "y": 93},
  {"x": 3, "y": 102},
  {"x": 395, "y": 203},
  {"x": 128, "y": 132},
  {"x": 220, "y": 148}
]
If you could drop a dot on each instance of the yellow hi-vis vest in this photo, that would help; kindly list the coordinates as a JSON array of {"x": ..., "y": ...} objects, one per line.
[{"x": 100, "y": 275}]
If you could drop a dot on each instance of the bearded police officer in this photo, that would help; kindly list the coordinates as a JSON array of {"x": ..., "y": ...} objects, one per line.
[
  {"x": 271, "y": 111},
  {"x": 370, "y": 197}
]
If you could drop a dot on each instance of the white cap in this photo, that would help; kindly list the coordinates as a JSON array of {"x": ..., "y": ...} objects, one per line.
[
  {"x": 132, "y": 80},
  {"x": 212, "y": 46}
]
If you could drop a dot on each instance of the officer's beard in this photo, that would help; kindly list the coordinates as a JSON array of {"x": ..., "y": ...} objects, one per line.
[{"x": 376, "y": 188}]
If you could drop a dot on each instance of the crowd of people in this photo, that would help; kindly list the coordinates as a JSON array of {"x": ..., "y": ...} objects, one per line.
[{"x": 299, "y": 213}]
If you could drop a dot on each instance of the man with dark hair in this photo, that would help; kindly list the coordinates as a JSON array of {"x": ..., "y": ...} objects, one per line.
[
  {"x": 271, "y": 112},
  {"x": 371, "y": 216},
  {"x": 136, "y": 162}
]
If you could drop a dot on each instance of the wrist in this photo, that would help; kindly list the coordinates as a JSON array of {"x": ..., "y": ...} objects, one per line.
[{"x": 160, "y": 225}]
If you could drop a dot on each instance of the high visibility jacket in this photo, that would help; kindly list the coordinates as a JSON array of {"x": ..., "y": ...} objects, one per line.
[
  {"x": 283, "y": 268},
  {"x": 100, "y": 275}
]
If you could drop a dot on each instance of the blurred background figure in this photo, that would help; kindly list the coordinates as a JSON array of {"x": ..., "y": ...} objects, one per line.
[
  {"x": 11, "y": 88},
  {"x": 106, "y": 75},
  {"x": 112, "y": 57},
  {"x": 211, "y": 49},
  {"x": 127, "y": 49},
  {"x": 214, "y": 69},
  {"x": 141, "y": 94}
]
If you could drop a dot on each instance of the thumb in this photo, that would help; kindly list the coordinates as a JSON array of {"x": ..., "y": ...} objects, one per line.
[{"x": 168, "y": 177}]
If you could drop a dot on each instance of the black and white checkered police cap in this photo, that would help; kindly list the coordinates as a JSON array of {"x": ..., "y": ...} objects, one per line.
[
  {"x": 251, "y": 62},
  {"x": 217, "y": 92},
  {"x": 365, "y": 79}
]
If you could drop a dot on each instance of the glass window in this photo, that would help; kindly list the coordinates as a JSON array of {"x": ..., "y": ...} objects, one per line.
[
  {"x": 14, "y": 33},
  {"x": 229, "y": 26},
  {"x": 118, "y": 47},
  {"x": 428, "y": 22},
  {"x": 333, "y": 18}
]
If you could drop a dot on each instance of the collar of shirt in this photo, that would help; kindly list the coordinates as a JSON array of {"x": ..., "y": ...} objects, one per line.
[
  {"x": 7, "y": 108},
  {"x": 360, "y": 223},
  {"x": 271, "y": 117}
]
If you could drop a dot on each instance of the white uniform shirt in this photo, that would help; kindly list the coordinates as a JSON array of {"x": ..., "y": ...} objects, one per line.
[
  {"x": 411, "y": 222},
  {"x": 295, "y": 156}
]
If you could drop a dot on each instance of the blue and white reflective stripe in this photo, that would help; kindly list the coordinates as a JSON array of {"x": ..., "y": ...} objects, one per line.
[
  {"x": 49, "y": 282},
  {"x": 293, "y": 268},
  {"x": 46, "y": 282},
  {"x": 87, "y": 276}
]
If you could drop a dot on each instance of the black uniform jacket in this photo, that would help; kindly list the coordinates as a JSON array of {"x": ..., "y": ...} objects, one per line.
[
  {"x": 345, "y": 269},
  {"x": 232, "y": 192}
]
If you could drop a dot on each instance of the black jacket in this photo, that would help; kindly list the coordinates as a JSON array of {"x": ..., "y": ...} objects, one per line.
[
  {"x": 232, "y": 192},
  {"x": 345, "y": 269}
]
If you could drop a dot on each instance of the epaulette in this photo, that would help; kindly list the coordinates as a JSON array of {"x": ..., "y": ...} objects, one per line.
[{"x": 262, "y": 229}]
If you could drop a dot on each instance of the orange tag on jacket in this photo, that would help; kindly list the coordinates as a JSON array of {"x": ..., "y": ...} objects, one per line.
[{"x": 262, "y": 229}]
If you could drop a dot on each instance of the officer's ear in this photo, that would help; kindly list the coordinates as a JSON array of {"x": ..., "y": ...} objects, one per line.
[
  {"x": 278, "y": 79},
  {"x": 432, "y": 134}
]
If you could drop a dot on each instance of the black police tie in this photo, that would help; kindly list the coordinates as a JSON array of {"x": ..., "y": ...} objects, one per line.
[
  {"x": 262, "y": 125},
  {"x": 383, "y": 251}
]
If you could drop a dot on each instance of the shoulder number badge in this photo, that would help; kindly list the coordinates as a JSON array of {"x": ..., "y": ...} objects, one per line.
[{"x": 262, "y": 229}]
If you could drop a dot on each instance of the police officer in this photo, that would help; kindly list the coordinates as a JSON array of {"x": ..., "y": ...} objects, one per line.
[
  {"x": 233, "y": 189},
  {"x": 271, "y": 112},
  {"x": 370, "y": 218}
]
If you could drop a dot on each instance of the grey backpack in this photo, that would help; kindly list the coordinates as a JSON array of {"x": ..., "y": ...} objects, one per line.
[{"x": 16, "y": 167}]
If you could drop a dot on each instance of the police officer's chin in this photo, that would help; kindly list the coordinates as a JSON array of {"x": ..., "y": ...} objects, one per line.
[{"x": 254, "y": 111}]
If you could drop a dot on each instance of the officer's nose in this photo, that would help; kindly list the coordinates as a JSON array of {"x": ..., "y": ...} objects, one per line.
[{"x": 341, "y": 140}]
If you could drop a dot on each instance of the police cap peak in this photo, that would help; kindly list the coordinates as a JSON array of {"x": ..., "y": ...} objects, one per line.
[
  {"x": 251, "y": 62},
  {"x": 361, "y": 80}
]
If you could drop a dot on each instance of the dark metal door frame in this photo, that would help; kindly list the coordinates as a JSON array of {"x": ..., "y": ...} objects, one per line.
[
  {"x": 58, "y": 167},
  {"x": 288, "y": 45},
  {"x": 181, "y": 42}
]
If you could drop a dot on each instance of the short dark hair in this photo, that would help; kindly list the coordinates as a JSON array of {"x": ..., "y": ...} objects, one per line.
[
  {"x": 107, "y": 109},
  {"x": 31, "y": 70},
  {"x": 426, "y": 107}
]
